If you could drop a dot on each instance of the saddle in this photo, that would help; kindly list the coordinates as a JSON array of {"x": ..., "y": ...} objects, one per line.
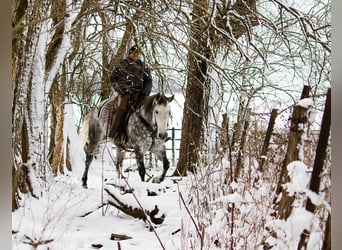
[{"x": 107, "y": 110}]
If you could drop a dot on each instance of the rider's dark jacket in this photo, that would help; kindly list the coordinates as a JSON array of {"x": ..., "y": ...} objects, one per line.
[{"x": 131, "y": 77}]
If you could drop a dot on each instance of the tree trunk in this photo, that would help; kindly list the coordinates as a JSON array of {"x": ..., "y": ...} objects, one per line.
[
  {"x": 58, "y": 150},
  {"x": 27, "y": 126},
  {"x": 35, "y": 64},
  {"x": 199, "y": 57},
  {"x": 192, "y": 130},
  {"x": 58, "y": 89},
  {"x": 327, "y": 234}
]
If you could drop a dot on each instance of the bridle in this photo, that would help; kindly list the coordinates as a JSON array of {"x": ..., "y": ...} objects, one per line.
[{"x": 152, "y": 128}]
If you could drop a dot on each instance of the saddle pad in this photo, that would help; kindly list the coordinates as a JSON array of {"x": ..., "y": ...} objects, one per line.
[{"x": 105, "y": 111}]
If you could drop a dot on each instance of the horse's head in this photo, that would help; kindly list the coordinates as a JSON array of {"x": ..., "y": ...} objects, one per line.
[{"x": 161, "y": 114}]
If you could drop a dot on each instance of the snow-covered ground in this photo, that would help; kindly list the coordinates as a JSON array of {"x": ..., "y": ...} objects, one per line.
[
  {"x": 61, "y": 215},
  {"x": 69, "y": 217},
  {"x": 59, "y": 218}
]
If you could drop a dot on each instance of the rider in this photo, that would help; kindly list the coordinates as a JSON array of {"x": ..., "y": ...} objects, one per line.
[{"x": 131, "y": 78}]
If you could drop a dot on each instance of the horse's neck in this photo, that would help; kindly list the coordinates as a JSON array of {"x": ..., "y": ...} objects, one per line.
[{"x": 146, "y": 116}]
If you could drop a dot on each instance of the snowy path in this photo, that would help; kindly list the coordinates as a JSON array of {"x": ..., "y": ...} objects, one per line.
[{"x": 57, "y": 215}]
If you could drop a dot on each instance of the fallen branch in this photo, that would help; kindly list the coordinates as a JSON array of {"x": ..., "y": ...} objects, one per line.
[
  {"x": 135, "y": 211},
  {"x": 119, "y": 237}
]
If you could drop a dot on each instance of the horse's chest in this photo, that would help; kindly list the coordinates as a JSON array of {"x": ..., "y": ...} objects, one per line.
[{"x": 137, "y": 132}]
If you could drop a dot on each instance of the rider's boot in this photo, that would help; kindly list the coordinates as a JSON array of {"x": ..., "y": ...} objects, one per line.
[{"x": 115, "y": 130}]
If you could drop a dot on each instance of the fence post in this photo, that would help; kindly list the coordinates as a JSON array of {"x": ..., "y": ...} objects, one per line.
[
  {"x": 284, "y": 206},
  {"x": 268, "y": 135},
  {"x": 321, "y": 154},
  {"x": 240, "y": 159}
]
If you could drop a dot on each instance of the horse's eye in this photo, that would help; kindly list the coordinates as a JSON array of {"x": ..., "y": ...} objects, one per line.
[{"x": 157, "y": 112}]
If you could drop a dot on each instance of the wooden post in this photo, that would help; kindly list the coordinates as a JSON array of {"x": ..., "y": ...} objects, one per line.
[
  {"x": 321, "y": 154},
  {"x": 240, "y": 159},
  {"x": 268, "y": 135},
  {"x": 284, "y": 207}
]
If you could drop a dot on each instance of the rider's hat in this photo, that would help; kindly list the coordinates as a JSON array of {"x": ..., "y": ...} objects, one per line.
[{"x": 135, "y": 49}]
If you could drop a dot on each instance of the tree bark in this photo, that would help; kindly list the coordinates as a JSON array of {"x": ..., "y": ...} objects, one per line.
[
  {"x": 192, "y": 130},
  {"x": 57, "y": 91},
  {"x": 25, "y": 39},
  {"x": 35, "y": 65},
  {"x": 327, "y": 234}
]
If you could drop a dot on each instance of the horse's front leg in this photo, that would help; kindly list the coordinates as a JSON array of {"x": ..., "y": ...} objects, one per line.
[
  {"x": 120, "y": 156},
  {"x": 166, "y": 164},
  {"x": 140, "y": 162}
]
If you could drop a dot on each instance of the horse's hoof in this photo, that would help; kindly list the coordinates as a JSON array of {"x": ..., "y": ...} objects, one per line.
[{"x": 85, "y": 186}]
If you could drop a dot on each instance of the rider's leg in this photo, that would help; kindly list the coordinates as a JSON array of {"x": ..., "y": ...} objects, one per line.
[{"x": 119, "y": 117}]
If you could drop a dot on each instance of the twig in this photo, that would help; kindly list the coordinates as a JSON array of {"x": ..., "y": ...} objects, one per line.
[
  {"x": 187, "y": 209},
  {"x": 35, "y": 243},
  {"x": 87, "y": 213},
  {"x": 176, "y": 231}
]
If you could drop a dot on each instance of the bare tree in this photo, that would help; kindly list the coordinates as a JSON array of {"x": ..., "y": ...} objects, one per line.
[
  {"x": 204, "y": 47},
  {"x": 28, "y": 142},
  {"x": 33, "y": 76}
]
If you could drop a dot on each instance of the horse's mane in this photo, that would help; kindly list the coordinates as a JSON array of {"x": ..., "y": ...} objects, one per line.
[{"x": 148, "y": 102}]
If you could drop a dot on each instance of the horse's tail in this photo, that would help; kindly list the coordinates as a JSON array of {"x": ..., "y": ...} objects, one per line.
[{"x": 92, "y": 129}]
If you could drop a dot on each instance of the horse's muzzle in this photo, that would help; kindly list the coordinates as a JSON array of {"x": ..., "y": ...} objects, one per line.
[{"x": 162, "y": 135}]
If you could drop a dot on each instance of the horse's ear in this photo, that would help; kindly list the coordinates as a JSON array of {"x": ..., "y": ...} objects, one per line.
[
  {"x": 169, "y": 99},
  {"x": 158, "y": 96},
  {"x": 156, "y": 99}
]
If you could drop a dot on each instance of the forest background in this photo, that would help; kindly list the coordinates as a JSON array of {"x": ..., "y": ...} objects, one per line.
[{"x": 243, "y": 92}]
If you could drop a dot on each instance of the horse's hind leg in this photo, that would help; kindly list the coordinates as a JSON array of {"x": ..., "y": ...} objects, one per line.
[
  {"x": 95, "y": 135},
  {"x": 89, "y": 159}
]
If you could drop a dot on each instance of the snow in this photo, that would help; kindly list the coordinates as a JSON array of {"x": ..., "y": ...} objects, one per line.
[
  {"x": 306, "y": 103},
  {"x": 67, "y": 216},
  {"x": 59, "y": 213},
  {"x": 300, "y": 177}
]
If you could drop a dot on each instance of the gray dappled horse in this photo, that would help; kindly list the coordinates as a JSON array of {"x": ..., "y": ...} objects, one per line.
[{"x": 146, "y": 130}]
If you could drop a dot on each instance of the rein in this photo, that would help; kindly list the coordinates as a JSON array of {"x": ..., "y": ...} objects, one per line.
[{"x": 147, "y": 124}]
